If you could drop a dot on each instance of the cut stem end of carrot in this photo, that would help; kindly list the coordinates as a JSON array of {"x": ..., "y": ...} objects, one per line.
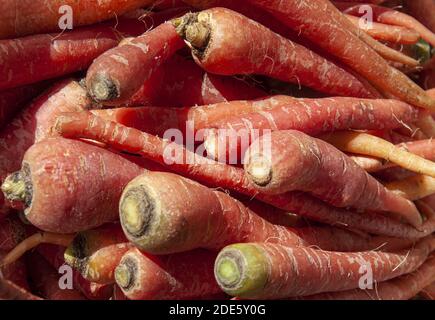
[
  {"x": 102, "y": 88},
  {"x": 124, "y": 274},
  {"x": 260, "y": 171}
]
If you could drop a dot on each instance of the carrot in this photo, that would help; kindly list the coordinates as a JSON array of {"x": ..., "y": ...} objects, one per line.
[
  {"x": 414, "y": 187},
  {"x": 402, "y": 288},
  {"x": 386, "y": 32},
  {"x": 13, "y": 100},
  {"x": 33, "y": 124},
  {"x": 46, "y": 280},
  {"x": 311, "y": 116},
  {"x": 159, "y": 222},
  {"x": 45, "y": 56},
  {"x": 55, "y": 188},
  {"x": 423, "y": 148},
  {"x": 271, "y": 271},
  {"x": 276, "y": 57},
  {"x": 217, "y": 174},
  {"x": 290, "y": 160},
  {"x": 393, "y": 17},
  {"x": 427, "y": 125},
  {"x": 429, "y": 291},
  {"x": 53, "y": 254},
  {"x": 337, "y": 36},
  {"x": 365, "y": 144},
  {"x": 118, "y": 73},
  {"x": 96, "y": 253},
  {"x": 35, "y": 18},
  {"x": 15, "y": 272},
  {"x": 12, "y": 232},
  {"x": 11, "y": 291},
  {"x": 143, "y": 277},
  {"x": 422, "y": 10}
]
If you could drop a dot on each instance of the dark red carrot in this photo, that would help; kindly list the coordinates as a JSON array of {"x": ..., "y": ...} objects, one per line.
[
  {"x": 96, "y": 253},
  {"x": 386, "y": 32},
  {"x": 290, "y": 160},
  {"x": 35, "y": 18},
  {"x": 45, "y": 280},
  {"x": 311, "y": 116},
  {"x": 269, "y": 53},
  {"x": 423, "y": 11},
  {"x": 10, "y": 291},
  {"x": 405, "y": 287},
  {"x": 393, "y": 17},
  {"x": 216, "y": 174},
  {"x": 339, "y": 37},
  {"x": 13, "y": 100},
  {"x": 184, "y": 275},
  {"x": 12, "y": 232},
  {"x": 34, "y": 124},
  {"x": 68, "y": 186},
  {"x": 53, "y": 254},
  {"x": 40, "y": 57},
  {"x": 159, "y": 221},
  {"x": 429, "y": 291},
  {"x": 118, "y": 73},
  {"x": 15, "y": 272},
  {"x": 271, "y": 271}
]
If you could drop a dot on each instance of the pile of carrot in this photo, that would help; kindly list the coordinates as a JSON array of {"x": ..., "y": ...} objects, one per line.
[{"x": 211, "y": 149}]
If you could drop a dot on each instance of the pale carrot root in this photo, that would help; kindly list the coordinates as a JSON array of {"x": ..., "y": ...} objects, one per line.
[
  {"x": 365, "y": 144},
  {"x": 413, "y": 188}
]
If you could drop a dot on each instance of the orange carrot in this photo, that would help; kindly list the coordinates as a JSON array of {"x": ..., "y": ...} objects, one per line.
[
  {"x": 143, "y": 277},
  {"x": 217, "y": 174},
  {"x": 276, "y": 57},
  {"x": 271, "y": 271},
  {"x": 290, "y": 160}
]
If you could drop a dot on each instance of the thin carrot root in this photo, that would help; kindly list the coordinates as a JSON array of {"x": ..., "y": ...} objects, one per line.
[
  {"x": 413, "y": 188},
  {"x": 33, "y": 241},
  {"x": 369, "y": 145},
  {"x": 427, "y": 126}
]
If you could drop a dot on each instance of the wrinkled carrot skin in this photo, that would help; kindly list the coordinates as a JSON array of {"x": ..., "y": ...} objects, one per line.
[
  {"x": 292, "y": 272},
  {"x": 181, "y": 83},
  {"x": 215, "y": 174},
  {"x": 402, "y": 288},
  {"x": 12, "y": 232},
  {"x": 13, "y": 100},
  {"x": 423, "y": 148},
  {"x": 57, "y": 166},
  {"x": 45, "y": 280},
  {"x": 386, "y": 32},
  {"x": 194, "y": 208},
  {"x": 122, "y": 70},
  {"x": 296, "y": 161},
  {"x": 171, "y": 277},
  {"x": 393, "y": 17},
  {"x": 287, "y": 61},
  {"x": 53, "y": 55},
  {"x": 34, "y": 124},
  {"x": 35, "y": 17},
  {"x": 53, "y": 254},
  {"x": 337, "y": 36},
  {"x": 311, "y": 116}
]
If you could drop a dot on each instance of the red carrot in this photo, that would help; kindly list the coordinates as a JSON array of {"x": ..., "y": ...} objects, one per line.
[
  {"x": 423, "y": 11},
  {"x": 118, "y": 73},
  {"x": 68, "y": 186},
  {"x": 35, "y": 18},
  {"x": 290, "y": 160},
  {"x": 12, "y": 232},
  {"x": 269, "y": 53},
  {"x": 393, "y": 17},
  {"x": 15, "y": 272},
  {"x": 337, "y": 36},
  {"x": 45, "y": 279},
  {"x": 10, "y": 291},
  {"x": 311, "y": 116},
  {"x": 386, "y": 32},
  {"x": 143, "y": 277},
  {"x": 34, "y": 123},
  {"x": 96, "y": 253},
  {"x": 402, "y": 288},
  {"x": 217, "y": 174},
  {"x": 12, "y": 100},
  {"x": 429, "y": 291},
  {"x": 53, "y": 254},
  {"x": 271, "y": 271},
  {"x": 158, "y": 221}
]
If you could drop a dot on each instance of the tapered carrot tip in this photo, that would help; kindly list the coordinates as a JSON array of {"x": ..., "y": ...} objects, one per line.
[
  {"x": 102, "y": 88},
  {"x": 241, "y": 270},
  {"x": 141, "y": 219},
  {"x": 16, "y": 188},
  {"x": 260, "y": 170},
  {"x": 125, "y": 274}
]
